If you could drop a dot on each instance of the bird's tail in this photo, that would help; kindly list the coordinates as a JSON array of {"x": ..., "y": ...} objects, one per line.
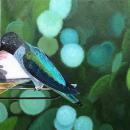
[
  {"x": 70, "y": 97},
  {"x": 72, "y": 88}
]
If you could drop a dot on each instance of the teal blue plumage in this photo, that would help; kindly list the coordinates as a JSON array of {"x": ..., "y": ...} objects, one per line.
[
  {"x": 44, "y": 60},
  {"x": 39, "y": 65}
]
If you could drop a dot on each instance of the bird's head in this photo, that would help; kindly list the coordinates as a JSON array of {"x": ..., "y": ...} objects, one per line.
[{"x": 10, "y": 42}]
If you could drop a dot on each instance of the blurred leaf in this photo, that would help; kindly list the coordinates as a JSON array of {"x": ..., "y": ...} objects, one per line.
[
  {"x": 16, "y": 26},
  {"x": 22, "y": 28},
  {"x": 99, "y": 88},
  {"x": 128, "y": 79},
  {"x": 9, "y": 124},
  {"x": 126, "y": 45},
  {"x": 44, "y": 121},
  {"x": 117, "y": 62}
]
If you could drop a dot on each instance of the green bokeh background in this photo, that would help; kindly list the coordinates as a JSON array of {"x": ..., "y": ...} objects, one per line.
[{"x": 105, "y": 95}]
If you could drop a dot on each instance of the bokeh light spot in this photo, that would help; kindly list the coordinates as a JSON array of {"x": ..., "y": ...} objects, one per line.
[
  {"x": 49, "y": 23},
  {"x": 48, "y": 45},
  {"x": 61, "y": 7},
  {"x": 3, "y": 112},
  {"x": 33, "y": 106},
  {"x": 72, "y": 55},
  {"x": 99, "y": 55},
  {"x": 68, "y": 36},
  {"x": 83, "y": 123}
]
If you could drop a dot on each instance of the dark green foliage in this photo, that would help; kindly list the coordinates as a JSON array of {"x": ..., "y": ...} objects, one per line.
[
  {"x": 44, "y": 121},
  {"x": 9, "y": 124},
  {"x": 126, "y": 45},
  {"x": 99, "y": 88},
  {"x": 104, "y": 94},
  {"x": 23, "y": 122}
]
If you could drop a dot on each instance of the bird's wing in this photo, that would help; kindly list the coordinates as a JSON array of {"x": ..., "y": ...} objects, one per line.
[
  {"x": 38, "y": 64},
  {"x": 46, "y": 65}
]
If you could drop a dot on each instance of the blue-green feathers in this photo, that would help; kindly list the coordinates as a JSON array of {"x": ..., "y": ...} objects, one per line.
[{"x": 39, "y": 65}]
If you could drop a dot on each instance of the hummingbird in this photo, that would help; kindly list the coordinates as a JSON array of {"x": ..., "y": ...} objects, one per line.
[{"x": 38, "y": 67}]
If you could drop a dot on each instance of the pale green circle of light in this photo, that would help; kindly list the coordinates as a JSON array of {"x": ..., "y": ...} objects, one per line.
[
  {"x": 15, "y": 107},
  {"x": 49, "y": 23},
  {"x": 16, "y": 26},
  {"x": 58, "y": 126},
  {"x": 61, "y": 7},
  {"x": 83, "y": 123},
  {"x": 66, "y": 115},
  {"x": 48, "y": 45},
  {"x": 3, "y": 112},
  {"x": 33, "y": 106},
  {"x": 72, "y": 55}
]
